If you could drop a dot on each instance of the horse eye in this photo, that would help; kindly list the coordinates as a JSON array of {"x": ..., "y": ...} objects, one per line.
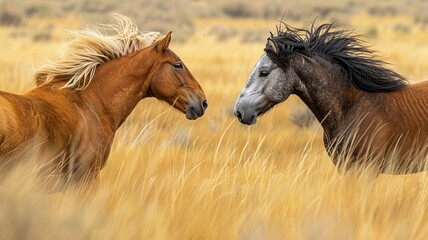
[
  {"x": 264, "y": 73},
  {"x": 178, "y": 66}
]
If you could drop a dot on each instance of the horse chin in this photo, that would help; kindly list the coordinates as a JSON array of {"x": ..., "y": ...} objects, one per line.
[
  {"x": 191, "y": 115},
  {"x": 250, "y": 122}
]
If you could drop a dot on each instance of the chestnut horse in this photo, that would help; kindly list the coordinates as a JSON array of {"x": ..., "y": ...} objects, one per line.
[
  {"x": 368, "y": 112},
  {"x": 86, "y": 95}
]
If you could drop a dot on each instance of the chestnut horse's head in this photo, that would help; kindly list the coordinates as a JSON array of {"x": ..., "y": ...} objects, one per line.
[
  {"x": 172, "y": 82},
  {"x": 91, "y": 54}
]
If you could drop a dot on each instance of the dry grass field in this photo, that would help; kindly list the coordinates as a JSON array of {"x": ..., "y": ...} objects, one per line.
[{"x": 213, "y": 178}]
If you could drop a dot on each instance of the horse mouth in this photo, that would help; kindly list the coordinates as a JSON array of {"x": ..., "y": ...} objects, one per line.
[
  {"x": 193, "y": 107},
  {"x": 248, "y": 121},
  {"x": 192, "y": 115},
  {"x": 195, "y": 110},
  {"x": 248, "y": 114}
]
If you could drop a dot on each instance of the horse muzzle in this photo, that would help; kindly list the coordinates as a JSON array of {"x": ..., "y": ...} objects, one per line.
[
  {"x": 196, "y": 109},
  {"x": 245, "y": 114}
]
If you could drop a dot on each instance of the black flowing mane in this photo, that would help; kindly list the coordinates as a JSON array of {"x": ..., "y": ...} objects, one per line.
[{"x": 365, "y": 71}]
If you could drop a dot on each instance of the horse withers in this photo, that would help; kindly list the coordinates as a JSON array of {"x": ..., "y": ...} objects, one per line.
[
  {"x": 369, "y": 113},
  {"x": 84, "y": 97}
]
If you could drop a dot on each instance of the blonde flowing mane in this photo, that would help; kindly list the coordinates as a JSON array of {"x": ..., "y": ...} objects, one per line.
[{"x": 80, "y": 57}]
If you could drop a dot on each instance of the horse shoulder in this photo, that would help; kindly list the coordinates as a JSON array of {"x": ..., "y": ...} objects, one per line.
[
  {"x": 362, "y": 129},
  {"x": 71, "y": 129},
  {"x": 92, "y": 134}
]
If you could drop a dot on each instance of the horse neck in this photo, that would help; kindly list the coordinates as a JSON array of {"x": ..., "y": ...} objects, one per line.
[
  {"x": 119, "y": 85},
  {"x": 324, "y": 89}
]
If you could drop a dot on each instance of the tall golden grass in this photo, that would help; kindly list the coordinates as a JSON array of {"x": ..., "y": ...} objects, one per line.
[{"x": 169, "y": 178}]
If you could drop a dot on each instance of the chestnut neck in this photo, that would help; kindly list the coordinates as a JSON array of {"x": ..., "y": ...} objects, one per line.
[{"x": 119, "y": 85}]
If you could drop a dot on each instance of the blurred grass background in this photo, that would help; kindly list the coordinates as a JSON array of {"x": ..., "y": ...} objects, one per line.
[{"x": 213, "y": 178}]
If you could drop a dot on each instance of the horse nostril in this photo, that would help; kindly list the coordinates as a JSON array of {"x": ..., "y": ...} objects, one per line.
[
  {"x": 238, "y": 115},
  {"x": 204, "y": 104}
]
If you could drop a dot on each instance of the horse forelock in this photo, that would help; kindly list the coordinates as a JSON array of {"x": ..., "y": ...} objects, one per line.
[
  {"x": 89, "y": 48},
  {"x": 342, "y": 47}
]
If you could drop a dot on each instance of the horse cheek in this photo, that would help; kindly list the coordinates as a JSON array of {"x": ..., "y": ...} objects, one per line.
[{"x": 163, "y": 89}]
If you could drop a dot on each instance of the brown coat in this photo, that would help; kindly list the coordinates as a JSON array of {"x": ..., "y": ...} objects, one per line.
[{"x": 74, "y": 129}]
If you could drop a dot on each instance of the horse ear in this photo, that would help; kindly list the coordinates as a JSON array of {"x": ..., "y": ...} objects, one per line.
[
  {"x": 164, "y": 43},
  {"x": 271, "y": 45}
]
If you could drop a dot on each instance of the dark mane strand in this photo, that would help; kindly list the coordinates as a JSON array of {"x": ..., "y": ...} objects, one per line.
[{"x": 365, "y": 71}]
